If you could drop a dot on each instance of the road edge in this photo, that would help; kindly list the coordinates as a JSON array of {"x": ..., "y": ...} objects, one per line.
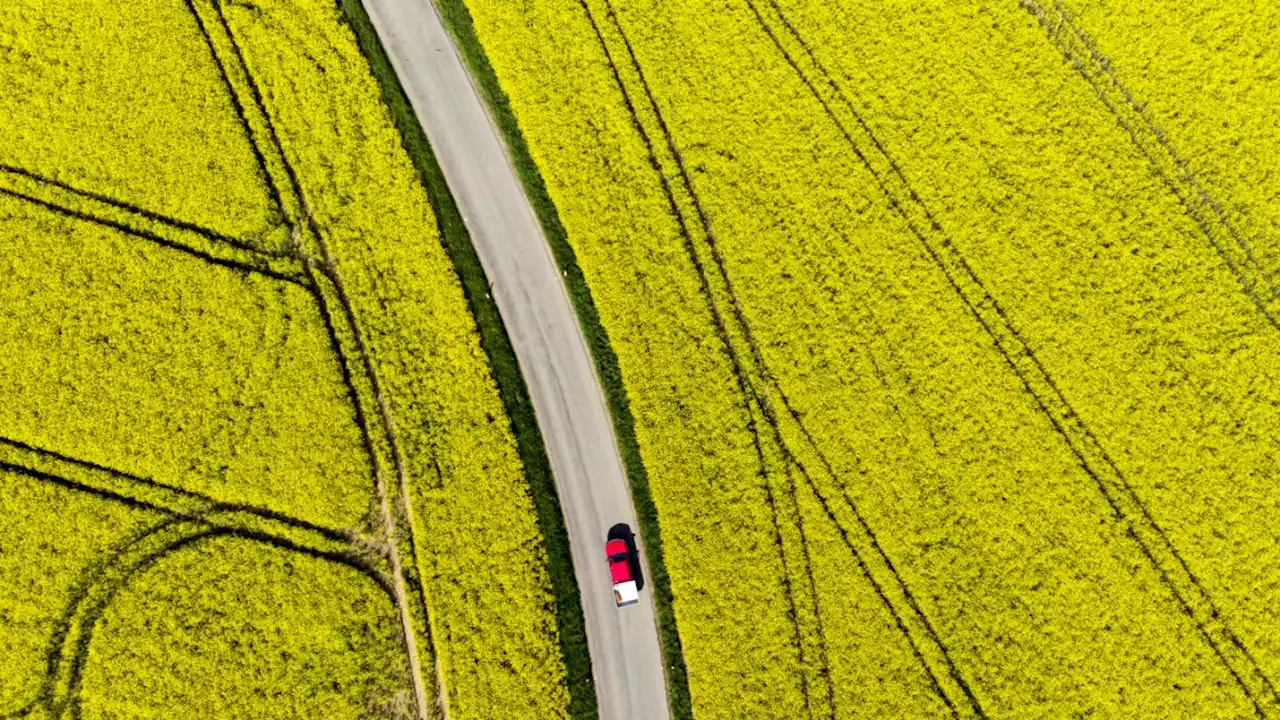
[
  {"x": 458, "y": 22},
  {"x": 494, "y": 341}
]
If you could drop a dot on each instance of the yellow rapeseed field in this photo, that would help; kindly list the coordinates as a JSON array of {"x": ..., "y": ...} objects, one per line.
[
  {"x": 455, "y": 456},
  {"x": 125, "y": 100},
  {"x": 950, "y": 335},
  {"x": 250, "y": 435},
  {"x": 1205, "y": 75},
  {"x": 153, "y": 362}
]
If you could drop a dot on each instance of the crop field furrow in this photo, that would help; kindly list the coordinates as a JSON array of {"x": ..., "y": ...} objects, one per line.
[
  {"x": 253, "y": 266},
  {"x": 338, "y": 352},
  {"x": 793, "y": 605},
  {"x": 380, "y": 443},
  {"x": 415, "y": 483},
  {"x": 176, "y": 235},
  {"x": 1035, "y": 377},
  {"x": 746, "y": 375},
  {"x": 171, "y": 414},
  {"x": 818, "y": 672},
  {"x": 61, "y": 193},
  {"x": 146, "y": 493},
  {"x": 67, "y": 649},
  {"x": 1172, "y": 167},
  {"x": 1206, "y": 78},
  {"x": 61, "y": 693},
  {"x": 34, "y": 645},
  {"x": 799, "y": 587},
  {"x": 862, "y": 541},
  {"x": 101, "y": 584},
  {"x": 750, "y": 399},
  {"x": 111, "y": 687},
  {"x": 914, "y": 624},
  {"x": 362, "y": 380},
  {"x": 1022, "y": 398},
  {"x": 308, "y": 240},
  {"x": 878, "y": 570},
  {"x": 953, "y": 688},
  {"x": 1154, "y": 534},
  {"x": 767, "y": 471},
  {"x": 126, "y": 105},
  {"x": 253, "y": 121}
]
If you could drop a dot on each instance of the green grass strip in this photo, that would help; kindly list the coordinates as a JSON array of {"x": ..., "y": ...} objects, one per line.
[{"x": 570, "y": 624}]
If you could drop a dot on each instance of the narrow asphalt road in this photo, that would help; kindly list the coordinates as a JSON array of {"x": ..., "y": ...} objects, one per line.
[{"x": 625, "y": 658}]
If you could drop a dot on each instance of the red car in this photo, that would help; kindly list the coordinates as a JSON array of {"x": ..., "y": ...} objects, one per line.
[{"x": 625, "y": 591}]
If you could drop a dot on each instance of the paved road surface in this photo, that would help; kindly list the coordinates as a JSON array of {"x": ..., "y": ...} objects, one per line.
[{"x": 625, "y": 658}]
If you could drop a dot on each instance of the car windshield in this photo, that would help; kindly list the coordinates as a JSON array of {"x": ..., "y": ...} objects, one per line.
[{"x": 618, "y": 557}]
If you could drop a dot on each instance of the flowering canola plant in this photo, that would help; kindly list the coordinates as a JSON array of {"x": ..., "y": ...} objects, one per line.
[
  {"x": 251, "y": 448},
  {"x": 949, "y": 338}
]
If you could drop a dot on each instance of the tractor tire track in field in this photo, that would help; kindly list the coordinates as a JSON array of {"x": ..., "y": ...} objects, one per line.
[
  {"x": 141, "y": 212},
  {"x": 740, "y": 374},
  {"x": 53, "y": 695},
  {"x": 863, "y": 541},
  {"x": 175, "y": 238},
  {"x": 238, "y": 106},
  {"x": 949, "y": 684},
  {"x": 209, "y": 519},
  {"x": 69, "y": 645},
  {"x": 1169, "y": 165},
  {"x": 210, "y": 246},
  {"x": 824, "y": 660},
  {"x": 138, "y": 491},
  {"x": 328, "y": 291},
  {"x": 1126, "y": 505}
]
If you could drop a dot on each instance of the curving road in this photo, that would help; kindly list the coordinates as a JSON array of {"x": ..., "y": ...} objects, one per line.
[{"x": 626, "y": 661}]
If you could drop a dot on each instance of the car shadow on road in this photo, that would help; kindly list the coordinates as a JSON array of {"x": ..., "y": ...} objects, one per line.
[{"x": 622, "y": 531}]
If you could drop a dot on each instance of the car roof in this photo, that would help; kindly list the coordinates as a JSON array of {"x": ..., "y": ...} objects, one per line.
[{"x": 620, "y": 572}]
